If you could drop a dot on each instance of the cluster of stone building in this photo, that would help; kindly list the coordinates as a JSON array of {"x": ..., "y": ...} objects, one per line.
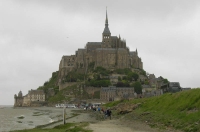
[
  {"x": 33, "y": 98},
  {"x": 112, "y": 93},
  {"x": 110, "y": 53}
]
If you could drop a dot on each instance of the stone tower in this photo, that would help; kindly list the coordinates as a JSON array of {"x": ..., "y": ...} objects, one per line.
[
  {"x": 18, "y": 99},
  {"x": 106, "y": 35}
]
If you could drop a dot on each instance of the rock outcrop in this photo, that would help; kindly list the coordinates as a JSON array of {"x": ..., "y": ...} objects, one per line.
[{"x": 124, "y": 108}]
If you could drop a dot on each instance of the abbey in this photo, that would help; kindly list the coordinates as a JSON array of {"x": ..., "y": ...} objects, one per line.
[{"x": 110, "y": 53}]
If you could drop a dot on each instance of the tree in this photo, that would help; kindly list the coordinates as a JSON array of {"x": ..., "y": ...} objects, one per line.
[
  {"x": 120, "y": 84},
  {"x": 137, "y": 87},
  {"x": 98, "y": 83},
  {"x": 133, "y": 75},
  {"x": 143, "y": 72},
  {"x": 119, "y": 78},
  {"x": 165, "y": 81}
]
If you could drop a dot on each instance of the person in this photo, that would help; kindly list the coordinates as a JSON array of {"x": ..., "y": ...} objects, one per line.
[
  {"x": 102, "y": 109},
  {"x": 108, "y": 113},
  {"x": 99, "y": 109},
  {"x": 105, "y": 113}
]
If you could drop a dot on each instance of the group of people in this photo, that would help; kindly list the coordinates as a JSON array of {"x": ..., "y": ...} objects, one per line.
[{"x": 107, "y": 113}]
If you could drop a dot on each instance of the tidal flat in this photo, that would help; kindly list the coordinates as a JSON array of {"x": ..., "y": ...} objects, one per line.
[{"x": 29, "y": 117}]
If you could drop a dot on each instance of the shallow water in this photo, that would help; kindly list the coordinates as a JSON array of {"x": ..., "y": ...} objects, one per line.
[{"x": 26, "y": 118}]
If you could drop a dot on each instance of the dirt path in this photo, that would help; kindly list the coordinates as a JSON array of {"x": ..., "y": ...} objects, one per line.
[
  {"x": 118, "y": 125},
  {"x": 109, "y": 126},
  {"x": 83, "y": 117}
]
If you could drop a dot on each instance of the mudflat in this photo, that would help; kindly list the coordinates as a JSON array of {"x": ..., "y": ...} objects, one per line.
[{"x": 29, "y": 117}]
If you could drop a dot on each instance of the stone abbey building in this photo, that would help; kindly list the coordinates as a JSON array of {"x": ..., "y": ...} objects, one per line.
[{"x": 110, "y": 53}]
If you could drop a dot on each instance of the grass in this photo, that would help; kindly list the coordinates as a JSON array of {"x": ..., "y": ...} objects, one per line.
[
  {"x": 42, "y": 126},
  {"x": 69, "y": 127},
  {"x": 178, "y": 110}
]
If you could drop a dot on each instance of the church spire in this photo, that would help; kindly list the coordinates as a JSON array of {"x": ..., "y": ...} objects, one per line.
[
  {"x": 136, "y": 52},
  {"x": 106, "y": 22},
  {"x": 106, "y": 29}
]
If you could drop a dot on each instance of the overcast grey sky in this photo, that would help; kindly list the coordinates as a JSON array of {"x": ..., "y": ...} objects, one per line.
[{"x": 35, "y": 34}]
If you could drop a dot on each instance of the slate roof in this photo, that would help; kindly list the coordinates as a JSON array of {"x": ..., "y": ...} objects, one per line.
[
  {"x": 94, "y": 43},
  {"x": 106, "y": 30}
]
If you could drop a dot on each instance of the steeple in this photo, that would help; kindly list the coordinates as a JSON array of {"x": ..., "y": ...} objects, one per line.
[
  {"x": 106, "y": 29},
  {"x": 106, "y": 22},
  {"x": 136, "y": 52}
]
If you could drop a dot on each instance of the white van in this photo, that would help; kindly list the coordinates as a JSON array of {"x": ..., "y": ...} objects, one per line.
[{"x": 71, "y": 106}]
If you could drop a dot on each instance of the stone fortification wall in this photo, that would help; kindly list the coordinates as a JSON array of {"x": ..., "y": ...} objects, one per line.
[
  {"x": 64, "y": 85},
  {"x": 38, "y": 103},
  {"x": 82, "y": 71},
  {"x": 91, "y": 90}
]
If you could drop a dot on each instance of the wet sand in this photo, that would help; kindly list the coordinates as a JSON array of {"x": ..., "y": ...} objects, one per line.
[{"x": 27, "y": 118}]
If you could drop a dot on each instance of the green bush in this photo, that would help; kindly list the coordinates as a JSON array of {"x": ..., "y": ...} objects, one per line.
[
  {"x": 125, "y": 71},
  {"x": 51, "y": 83},
  {"x": 98, "y": 83},
  {"x": 137, "y": 87},
  {"x": 74, "y": 77},
  {"x": 102, "y": 71},
  {"x": 91, "y": 66}
]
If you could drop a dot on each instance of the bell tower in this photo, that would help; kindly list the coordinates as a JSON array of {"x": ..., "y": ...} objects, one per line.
[{"x": 106, "y": 35}]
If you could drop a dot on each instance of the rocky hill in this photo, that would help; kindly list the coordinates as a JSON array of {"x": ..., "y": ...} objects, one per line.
[{"x": 76, "y": 85}]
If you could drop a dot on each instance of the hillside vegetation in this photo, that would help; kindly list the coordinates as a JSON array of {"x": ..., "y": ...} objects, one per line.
[
  {"x": 71, "y": 92},
  {"x": 95, "y": 77},
  {"x": 178, "y": 110},
  {"x": 51, "y": 83}
]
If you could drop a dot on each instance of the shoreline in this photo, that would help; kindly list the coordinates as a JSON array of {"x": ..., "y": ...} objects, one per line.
[
  {"x": 77, "y": 116},
  {"x": 19, "y": 118},
  {"x": 94, "y": 122}
]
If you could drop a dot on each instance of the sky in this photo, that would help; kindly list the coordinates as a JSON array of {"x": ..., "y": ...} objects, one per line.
[{"x": 35, "y": 34}]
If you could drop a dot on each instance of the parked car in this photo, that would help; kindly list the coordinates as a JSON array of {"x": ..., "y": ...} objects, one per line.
[{"x": 58, "y": 105}]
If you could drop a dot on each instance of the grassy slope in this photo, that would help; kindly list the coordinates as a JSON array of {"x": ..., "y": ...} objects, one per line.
[{"x": 179, "y": 110}]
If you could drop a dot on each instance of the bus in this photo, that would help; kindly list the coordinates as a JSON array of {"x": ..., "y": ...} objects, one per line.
[{"x": 171, "y": 87}]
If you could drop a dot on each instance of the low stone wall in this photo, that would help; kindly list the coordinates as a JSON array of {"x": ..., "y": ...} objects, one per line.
[
  {"x": 153, "y": 93},
  {"x": 39, "y": 103}
]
